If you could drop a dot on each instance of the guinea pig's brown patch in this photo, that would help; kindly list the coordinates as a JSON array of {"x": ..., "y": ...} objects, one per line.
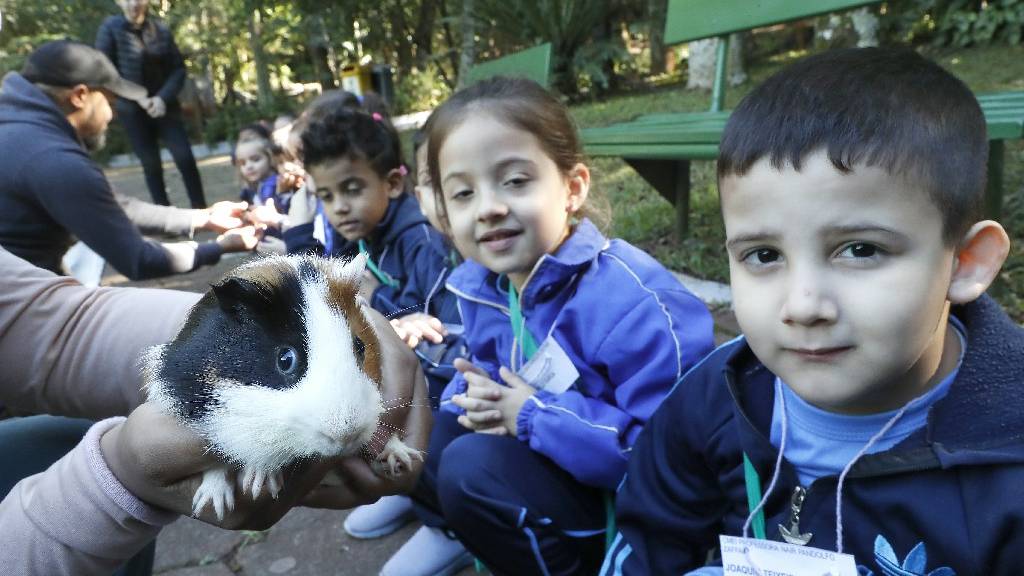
[
  {"x": 341, "y": 296},
  {"x": 270, "y": 272}
]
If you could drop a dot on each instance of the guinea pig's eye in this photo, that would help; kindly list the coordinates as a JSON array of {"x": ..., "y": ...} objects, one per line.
[
  {"x": 359, "y": 347},
  {"x": 287, "y": 360}
]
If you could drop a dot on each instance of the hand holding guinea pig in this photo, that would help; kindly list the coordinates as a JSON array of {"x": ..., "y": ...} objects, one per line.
[
  {"x": 279, "y": 363},
  {"x": 162, "y": 462}
]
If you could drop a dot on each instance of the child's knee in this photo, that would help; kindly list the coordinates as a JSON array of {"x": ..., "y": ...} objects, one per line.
[{"x": 469, "y": 471}]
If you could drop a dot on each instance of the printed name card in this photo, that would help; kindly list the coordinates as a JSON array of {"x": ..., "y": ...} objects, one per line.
[
  {"x": 750, "y": 557},
  {"x": 550, "y": 368}
]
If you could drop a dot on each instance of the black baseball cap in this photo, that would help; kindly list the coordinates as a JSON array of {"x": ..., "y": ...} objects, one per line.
[{"x": 68, "y": 63}]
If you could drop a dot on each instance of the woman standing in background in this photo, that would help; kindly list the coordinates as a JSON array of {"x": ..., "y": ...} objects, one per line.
[{"x": 144, "y": 52}]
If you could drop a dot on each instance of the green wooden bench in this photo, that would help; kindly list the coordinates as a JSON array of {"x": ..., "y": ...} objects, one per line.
[
  {"x": 660, "y": 146},
  {"x": 533, "y": 63}
]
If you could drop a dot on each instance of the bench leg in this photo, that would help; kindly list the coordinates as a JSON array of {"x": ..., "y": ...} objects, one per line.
[
  {"x": 671, "y": 178},
  {"x": 994, "y": 189}
]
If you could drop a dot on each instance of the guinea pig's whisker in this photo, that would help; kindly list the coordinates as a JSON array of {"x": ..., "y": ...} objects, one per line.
[
  {"x": 406, "y": 405},
  {"x": 396, "y": 313},
  {"x": 399, "y": 399},
  {"x": 393, "y": 428}
]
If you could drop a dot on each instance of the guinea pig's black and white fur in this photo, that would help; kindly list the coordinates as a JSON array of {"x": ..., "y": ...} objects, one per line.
[{"x": 276, "y": 363}]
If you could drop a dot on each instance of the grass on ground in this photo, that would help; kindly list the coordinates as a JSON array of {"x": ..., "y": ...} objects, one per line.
[{"x": 641, "y": 216}]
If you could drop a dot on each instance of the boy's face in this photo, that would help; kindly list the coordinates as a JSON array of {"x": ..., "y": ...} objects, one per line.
[
  {"x": 354, "y": 196},
  {"x": 839, "y": 281}
]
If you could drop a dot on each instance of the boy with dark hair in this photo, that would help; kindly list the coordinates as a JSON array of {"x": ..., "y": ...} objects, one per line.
[{"x": 873, "y": 399}]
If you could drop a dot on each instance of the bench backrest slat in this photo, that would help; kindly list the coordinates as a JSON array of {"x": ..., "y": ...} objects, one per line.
[
  {"x": 689, "y": 20},
  {"x": 533, "y": 63}
]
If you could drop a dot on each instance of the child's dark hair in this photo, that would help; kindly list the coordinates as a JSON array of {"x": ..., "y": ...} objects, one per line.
[
  {"x": 419, "y": 139},
  {"x": 347, "y": 133},
  {"x": 258, "y": 130},
  {"x": 890, "y": 108},
  {"x": 522, "y": 104}
]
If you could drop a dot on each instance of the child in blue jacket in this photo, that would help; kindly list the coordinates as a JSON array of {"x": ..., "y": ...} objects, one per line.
[
  {"x": 355, "y": 163},
  {"x": 873, "y": 406},
  {"x": 574, "y": 340}
]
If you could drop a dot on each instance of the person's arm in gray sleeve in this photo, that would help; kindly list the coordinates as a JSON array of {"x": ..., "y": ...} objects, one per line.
[
  {"x": 157, "y": 219},
  {"x": 59, "y": 338},
  {"x": 176, "y": 64},
  {"x": 78, "y": 196}
]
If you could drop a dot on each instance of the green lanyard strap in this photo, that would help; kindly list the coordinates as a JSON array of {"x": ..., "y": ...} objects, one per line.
[
  {"x": 382, "y": 276},
  {"x": 519, "y": 331},
  {"x": 753, "y": 483}
]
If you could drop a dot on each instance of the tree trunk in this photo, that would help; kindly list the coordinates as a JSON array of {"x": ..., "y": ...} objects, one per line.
[
  {"x": 400, "y": 36},
  {"x": 423, "y": 35},
  {"x": 467, "y": 54},
  {"x": 319, "y": 48},
  {"x": 266, "y": 95},
  {"x": 656, "y": 16},
  {"x": 702, "y": 63},
  {"x": 450, "y": 52}
]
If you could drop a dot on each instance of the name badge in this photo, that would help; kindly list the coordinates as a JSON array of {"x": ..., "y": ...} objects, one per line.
[
  {"x": 550, "y": 369},
  {"x": 750, "y": 557}
]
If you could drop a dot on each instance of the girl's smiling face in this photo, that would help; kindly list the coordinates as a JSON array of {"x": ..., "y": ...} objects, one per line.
[{"x": 506, "y": 201}]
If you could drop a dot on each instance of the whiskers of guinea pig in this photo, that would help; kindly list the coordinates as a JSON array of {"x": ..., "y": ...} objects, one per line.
[
  {"x": 397, "y": 313},
  {"x": 403, "y": 402}
]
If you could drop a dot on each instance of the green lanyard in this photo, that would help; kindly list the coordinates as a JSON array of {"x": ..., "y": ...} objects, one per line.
[
  {"x": 753, "y": 483},
  {"x": 519, "y": 331},
  {"x": 382, "y": 276}
]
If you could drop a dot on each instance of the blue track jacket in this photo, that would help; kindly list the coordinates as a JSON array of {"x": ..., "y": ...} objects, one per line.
[
  {"x": 950, "y": 496},
  {"x": 404, "y": 246},
  {"x": 629, "y": 327}
]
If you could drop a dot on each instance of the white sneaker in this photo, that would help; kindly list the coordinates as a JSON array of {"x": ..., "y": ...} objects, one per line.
[
  {"x": 428, "y": 553},
  {"x": 380, "y": 518}
]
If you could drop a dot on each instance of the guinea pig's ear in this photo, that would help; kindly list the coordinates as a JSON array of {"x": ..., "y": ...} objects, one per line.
[
  {"x": 352, "y": 271},
  {"x": 233, "y": 292}
]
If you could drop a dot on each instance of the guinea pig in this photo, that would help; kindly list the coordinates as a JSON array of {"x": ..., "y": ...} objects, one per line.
[{"x": 277, "y": 362}]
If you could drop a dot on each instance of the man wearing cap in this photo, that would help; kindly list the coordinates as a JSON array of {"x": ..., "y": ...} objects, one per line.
[
  {"x": 52, "y": 115},
  {"x": 143, "y": 50}
]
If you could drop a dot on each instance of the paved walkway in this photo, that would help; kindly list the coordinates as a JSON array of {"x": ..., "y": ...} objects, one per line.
[{"x": 306, "y": 542}]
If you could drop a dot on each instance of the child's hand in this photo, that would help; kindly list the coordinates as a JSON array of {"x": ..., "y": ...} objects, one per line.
[
  {"x": 419, "y": 326},
  {"x": 266, "y": 215},
  {"x": 290, "y": 177},
  {"x": 222, "y": 216},
  {"x": 490, "y": 407},
  {"x": 241, "y": 239}
]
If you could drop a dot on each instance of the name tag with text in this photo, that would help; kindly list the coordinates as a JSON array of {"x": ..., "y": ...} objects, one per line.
[
  {"x": 750, "y": 557},
  {"x": 550, "y": 369}
]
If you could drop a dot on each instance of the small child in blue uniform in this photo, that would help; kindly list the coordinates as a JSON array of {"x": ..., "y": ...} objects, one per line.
[
  {"x": 262, "y": 190},
  {"x": 574, "y": 341},
  {"x": 354, "y": 160},
  {"x": 873, "y": 405},
  {"x": 255, "y": 161}
]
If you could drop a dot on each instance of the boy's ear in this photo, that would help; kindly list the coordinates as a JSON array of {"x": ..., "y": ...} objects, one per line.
[
  {"x": 396, "y": 183},
  {"x": 579, "y": 186},
  {"x": 979, "y": 257}
]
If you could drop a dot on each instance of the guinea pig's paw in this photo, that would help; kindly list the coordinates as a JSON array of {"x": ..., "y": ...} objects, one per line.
[
  {"x": 394, "y": 456},
  {"x": 253, "y": 480},
  {"x": 217, "y": 490}
]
